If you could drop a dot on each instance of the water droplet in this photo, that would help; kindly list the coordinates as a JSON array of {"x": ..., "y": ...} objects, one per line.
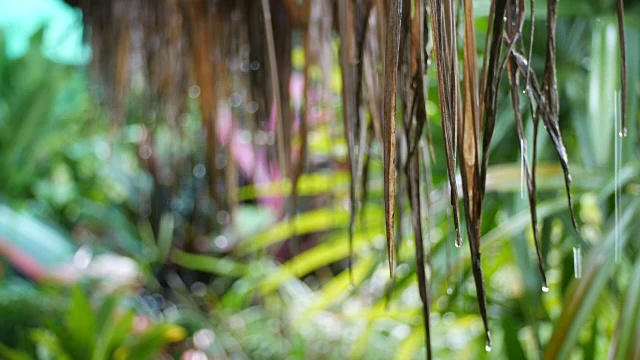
[
  {"x": 235, "y": 100},
  {"x": 449, "y": 291},
  {"x": 199, "y": 171},
  {"x": 458, "y": 242},
  {"x": 221, "y": 242},
  {"x": 145, "y": 152},
  {"x": 223, "y": 217},
  {"x": 487, "y": 347},
  {"x": 623, "y": 133},
  {"x": 194, "y": 91},
  {"x": 251, "y": 107},
  {"x": 545, "y": 288},
  {"x": 255, "y": 66}
]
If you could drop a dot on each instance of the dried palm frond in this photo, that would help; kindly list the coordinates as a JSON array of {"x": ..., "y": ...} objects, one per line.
[{"x": 383, "y": 61}]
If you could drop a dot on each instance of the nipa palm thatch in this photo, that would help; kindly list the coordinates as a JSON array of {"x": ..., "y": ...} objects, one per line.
[{"x": 385, "y": 48}]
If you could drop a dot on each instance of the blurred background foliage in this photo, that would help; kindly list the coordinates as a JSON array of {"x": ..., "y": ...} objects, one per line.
[{"x": 98, "y": 260}]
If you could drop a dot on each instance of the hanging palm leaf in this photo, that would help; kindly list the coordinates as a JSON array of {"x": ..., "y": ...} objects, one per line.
[{"x": 383, "y": 60}]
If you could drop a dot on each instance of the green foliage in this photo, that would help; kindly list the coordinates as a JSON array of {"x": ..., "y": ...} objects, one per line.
[
  {"x": 82, "y": 330},
  {"x": 64, "y": 170}
]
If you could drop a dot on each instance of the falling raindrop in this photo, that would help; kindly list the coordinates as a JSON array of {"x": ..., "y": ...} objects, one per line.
[
  {"x": 523, "y": 152},
  {"x": 577, "y": 262},
  {"x": 448, "y": 266},
  {"x": 545, "y": 288},
  {"x": 616, "y": 179}
]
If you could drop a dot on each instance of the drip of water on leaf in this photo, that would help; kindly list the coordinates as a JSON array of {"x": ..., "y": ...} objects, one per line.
[
  {"x": 623, "y": 133},
  {"x": 545, "y": 288}
]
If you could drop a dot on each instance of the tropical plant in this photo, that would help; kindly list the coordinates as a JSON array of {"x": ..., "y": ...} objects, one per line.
[
  {"x": 265, "y": 213},
  {"x": 77, "y": 331}
]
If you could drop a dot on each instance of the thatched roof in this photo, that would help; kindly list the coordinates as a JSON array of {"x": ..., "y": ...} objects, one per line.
[{"x": 224, "y": 46}]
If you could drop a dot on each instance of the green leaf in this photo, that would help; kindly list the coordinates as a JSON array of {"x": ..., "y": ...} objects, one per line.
[
  {"x": 584, "y": 293},
  {"x": 603, "y": 82},
  {"x": 49, "y": 344},
  {"x": 409, "y": 346},
  {"x": 165, "y": 236},
  {"x": 206, "y": 263},
  {"x": 112, "y": 335},
  {"x": 321, "y": 255},
  {"x": 625, "y": 344},
  {"x": 11, "y": 354},
  {"x": 308, "y": 222},
  {"x": 40, "y": 241},
  {"x": 81, "y": 323},
  {"x": 511, "y": 342},
  {"x": 153, "y": 341},
  {"x": 338, "y": 287}
]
